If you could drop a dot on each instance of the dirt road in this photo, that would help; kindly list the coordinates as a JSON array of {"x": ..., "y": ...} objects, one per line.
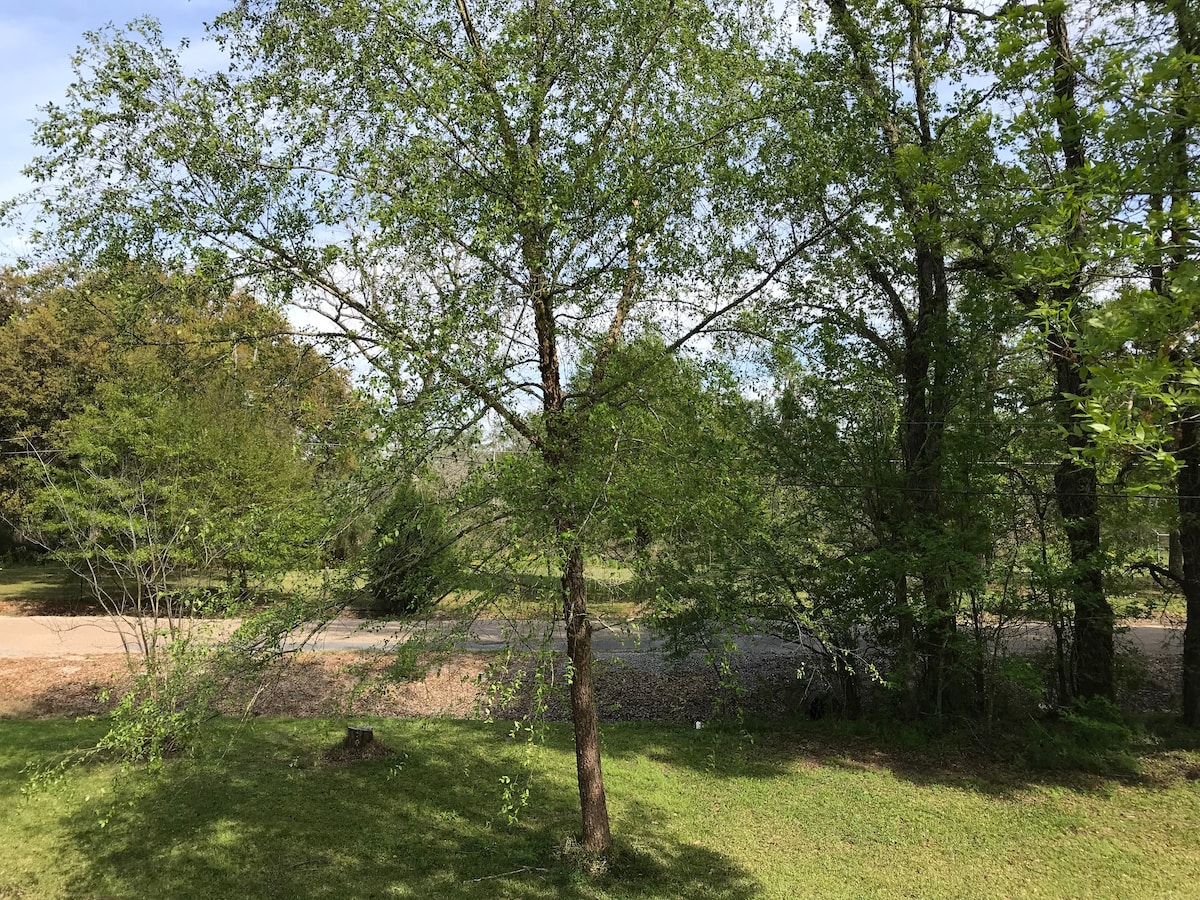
[
  {"x": 52, "y": 636},
  {"x": 58, "y": 665}
]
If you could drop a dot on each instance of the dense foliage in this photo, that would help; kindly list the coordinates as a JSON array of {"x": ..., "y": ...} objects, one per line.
[
  {"x": 411, "y": 559},
  {"x": 872, "y": 325}
]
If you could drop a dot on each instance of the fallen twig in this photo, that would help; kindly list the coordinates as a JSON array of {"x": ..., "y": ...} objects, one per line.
[{"x": 513, "y": 872}]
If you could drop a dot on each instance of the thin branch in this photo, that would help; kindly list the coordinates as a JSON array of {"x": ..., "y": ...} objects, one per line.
[{"x": 507, "y": 135}]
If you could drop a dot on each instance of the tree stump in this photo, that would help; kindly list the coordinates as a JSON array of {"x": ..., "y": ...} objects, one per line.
[{"x": 358, "y": 736}]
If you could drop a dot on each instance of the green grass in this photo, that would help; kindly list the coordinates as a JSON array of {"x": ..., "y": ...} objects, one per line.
[
  {"x": 526, "y": 592},
  {"x": 806, "y": 813},
  {"x": 532, "y": 591},
  {"x": 23, "y": 581},
  {"x": 48, "y": 589},
  {"x": 1149, "y": 604}
]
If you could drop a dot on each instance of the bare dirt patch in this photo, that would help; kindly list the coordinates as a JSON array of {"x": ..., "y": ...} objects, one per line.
[
  {"x": 469, "y": 685},
  {"x": 32, "y": 688},
  {"x": 331, "y": 685},
  {"x": 1156, "y": 687},
  {"x": 309, "y": 686},
  {"x": 334, "y": 685},
  {"x": 661, "y": 690}
]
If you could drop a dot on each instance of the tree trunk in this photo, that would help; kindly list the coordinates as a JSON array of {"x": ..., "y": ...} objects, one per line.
[
  {"x": 940, "y": 634},
  {"x": 558, "y": 452},
  {"x": 1076, "y": 488},
  {"x": 924, "y": 355},
  {"x": 1188, "y": 487},
  {"x": 1060, "y": 659},
  {"x": 847, "y": 680},
  {"x": 1075, "y": 483},
  {"x": 1175, "y": 556},
  {"x": 926, "y": 406},
  {"x": 1191, "y": 655},
  {"x": 596, "y": 834},
  {"x": 906, "y": 650},
  {"x": 1179, "y": 251}
]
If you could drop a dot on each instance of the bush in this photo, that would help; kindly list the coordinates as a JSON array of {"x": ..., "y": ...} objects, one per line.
[
  {"x": 1090, "y": 736},
  {"x": 165, "y": 711},
  {"x": 411, "y": 559}
]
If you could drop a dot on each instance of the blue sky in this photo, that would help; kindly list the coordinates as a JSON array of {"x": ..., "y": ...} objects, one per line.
[{"x": 37, "y": 39}]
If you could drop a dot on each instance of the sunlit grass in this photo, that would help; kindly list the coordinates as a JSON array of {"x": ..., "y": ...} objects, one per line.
[
  {"x": 706, "y": 813},
  {"x": 526, "y": 589},
  {"x": 47, "y": 588},
  {"x": 21, "y": 581},
  {"x": 531, "y": 589},
  {"x": 1149, "y": 604}
]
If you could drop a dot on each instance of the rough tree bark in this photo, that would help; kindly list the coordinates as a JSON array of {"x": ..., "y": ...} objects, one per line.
[
  {"x": 596, "y": 833},
  {"x": 1175, "y": 555},
  {"x": 1075, "y": 482},
  {"x": 558, "y": 451},
  {"x": 1076, "y": 490},
  {"x": 921, "y": 366},
  {"x": 1188, "y": 486}
]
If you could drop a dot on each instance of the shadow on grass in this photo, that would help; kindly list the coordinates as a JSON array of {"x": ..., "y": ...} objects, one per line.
[
  {"x": 46, "y": 591},
  {"x": 1159, "y": 754},
  {"x": 29, "y": 742},
  {"x": 49, "y": 589},
  {"x": 266, "y": 818}
]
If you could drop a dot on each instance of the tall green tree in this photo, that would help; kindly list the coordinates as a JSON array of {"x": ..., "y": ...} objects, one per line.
[
  {"x": 906, "y": 152},
  {"x": 480, "y": 196},
  {"x": 73, "y": 346},
  {"x": 52, "y": 355},
  {"x": 287, "y": 400},
  {"x": 173, "y": 442},
  {"x": 1139, "y": 347},
  {"x": 1055, "y": 270},
  {"x": 1172, "y": 281}
]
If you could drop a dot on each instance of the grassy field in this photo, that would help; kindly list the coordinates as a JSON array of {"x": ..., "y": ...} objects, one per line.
[
  {"x": 41, "y": 589},
  {"x": 528, "y": 591},
  {"x": 50, "y": 589},
  {"x": 1149, "y": 604},
  {"x": 533, "y": 590},
  {"x": 258, "y": 812}
]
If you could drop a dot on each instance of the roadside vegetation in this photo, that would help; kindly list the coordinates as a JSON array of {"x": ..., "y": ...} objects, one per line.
[{"x": 49, "y": 588}]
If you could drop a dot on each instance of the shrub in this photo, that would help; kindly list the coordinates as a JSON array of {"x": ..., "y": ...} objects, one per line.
[
  {"x": 1090, "y": 736},
  {"x": 411, "y": 559},
  {"x": 171, "y": 699}
]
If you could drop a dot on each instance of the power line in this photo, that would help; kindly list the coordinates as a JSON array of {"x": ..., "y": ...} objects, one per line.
[{"x": 976, "y": 492}]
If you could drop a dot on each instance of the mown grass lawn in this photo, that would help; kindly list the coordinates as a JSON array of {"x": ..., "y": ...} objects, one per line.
[
  {"x": 532, "y": 589},
  {"x": 43, "y": 589},
  {"x": 710, "y": 813},
  {"x": 528, "y": 591}
]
